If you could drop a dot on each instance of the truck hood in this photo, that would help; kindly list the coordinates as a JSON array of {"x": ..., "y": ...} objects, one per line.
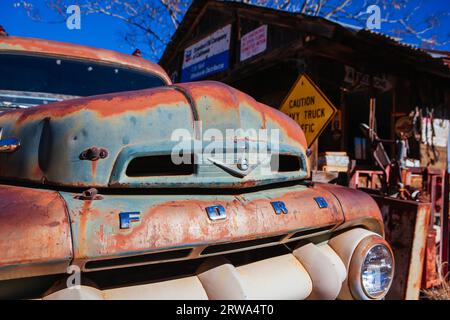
[
  {"x": 170, "y": 226},
  {"x": 127, "y": 140}
]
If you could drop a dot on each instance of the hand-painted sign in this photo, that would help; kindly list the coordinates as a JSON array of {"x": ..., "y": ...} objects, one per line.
[
  {"x": 307, "y": 105},
  {"x": 356, "y": 78},
  {"x": 254, "y": 42},
  {"x": 207, "y": 56}
]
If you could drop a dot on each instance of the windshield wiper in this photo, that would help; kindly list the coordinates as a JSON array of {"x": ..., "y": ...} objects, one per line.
[
  {"x": 8, "y": 105},
  {"x": 25, "y": 99}
]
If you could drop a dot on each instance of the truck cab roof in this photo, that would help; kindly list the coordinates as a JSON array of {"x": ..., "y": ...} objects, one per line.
[{"x": 39, "y": 71}]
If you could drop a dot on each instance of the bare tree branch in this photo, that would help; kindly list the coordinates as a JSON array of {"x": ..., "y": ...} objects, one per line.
[
  {"x": 151, "y": 23},
  {"x": 338, "y": 8}
]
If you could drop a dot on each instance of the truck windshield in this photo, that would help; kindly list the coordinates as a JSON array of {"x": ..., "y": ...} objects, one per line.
[{"x": 24, "y": 77}]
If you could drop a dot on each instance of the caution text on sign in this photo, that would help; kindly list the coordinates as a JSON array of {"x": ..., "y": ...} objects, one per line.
[{"x": 309, "y": 107}]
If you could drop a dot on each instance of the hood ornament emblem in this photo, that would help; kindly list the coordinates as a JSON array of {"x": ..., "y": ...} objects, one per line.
[
  {"x": 243, "y": 168},
  {"x": 242, "y": 164}
]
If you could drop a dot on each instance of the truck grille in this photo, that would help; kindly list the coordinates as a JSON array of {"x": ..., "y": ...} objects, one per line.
[
  {"x": 158, "y": 165},
  {"x": 204, "y": 251}
]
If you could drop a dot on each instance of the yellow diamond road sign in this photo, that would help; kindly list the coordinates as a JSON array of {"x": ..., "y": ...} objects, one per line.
[{"x": 307, "y": 105}]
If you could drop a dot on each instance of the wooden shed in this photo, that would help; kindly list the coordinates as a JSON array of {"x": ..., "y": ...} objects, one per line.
[{"x": 263, "y": 51}]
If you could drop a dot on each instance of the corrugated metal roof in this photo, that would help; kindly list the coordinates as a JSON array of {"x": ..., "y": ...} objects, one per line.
[{"x": 441, "y": 54}]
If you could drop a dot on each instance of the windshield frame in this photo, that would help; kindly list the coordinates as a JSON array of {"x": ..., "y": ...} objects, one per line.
[{"x": 98, "y": 62}]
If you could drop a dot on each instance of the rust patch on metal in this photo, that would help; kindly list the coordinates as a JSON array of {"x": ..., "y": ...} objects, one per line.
[
  {"x": 430, "y": 276},
  {"x": 34, "y": 232},
  {"x": 94, "y": 170},
  {"x": 179, "y": 223},
  {"x": 106, "y": 105},
  {"x": 83, "y": 220},
  {"x": 358, "y": 207},
  {"x": 226, "y": 98}
]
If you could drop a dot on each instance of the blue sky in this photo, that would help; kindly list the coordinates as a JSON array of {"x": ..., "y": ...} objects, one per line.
[
  {"x": 96, "y": 30},
  {"x": 106, "y": 32}
]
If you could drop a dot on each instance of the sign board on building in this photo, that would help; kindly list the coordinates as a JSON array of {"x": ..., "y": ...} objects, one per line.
[
  {"x": 356, "y": 78},
  {"x": 306, "y": 104},
  {"x": 254, "y": 42},
  {"x": 207, "y": 56}
]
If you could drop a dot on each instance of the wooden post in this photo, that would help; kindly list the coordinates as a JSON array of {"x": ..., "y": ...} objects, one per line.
[
  {"x": 444, "y": 226},
  {"x": 444, "y": 218},
  {"x": 315, "y": 154},
  {"x": 372, "y": 120}
]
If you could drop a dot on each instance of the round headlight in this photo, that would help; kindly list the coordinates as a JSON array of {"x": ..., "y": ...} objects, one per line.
[
  {"x": 371, "y": 269},
  {"x": 377, "y": 271}
]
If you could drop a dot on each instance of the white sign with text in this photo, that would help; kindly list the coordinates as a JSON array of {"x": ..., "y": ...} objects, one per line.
[
  {"x": 254, "y": 42},
  {"x": 212, "y": 45}
]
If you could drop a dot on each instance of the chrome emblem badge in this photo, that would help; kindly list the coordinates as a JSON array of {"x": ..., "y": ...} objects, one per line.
[
  {"x": 242, "y": 164},
  {"x": 321, "y": 202},
  {"x": 216, "y": 212},
  {"x": 126, "y": 218},
  {"x": 279, "y": 207}
]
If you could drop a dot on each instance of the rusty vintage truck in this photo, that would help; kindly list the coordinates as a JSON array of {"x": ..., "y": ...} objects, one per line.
[{"x": 92, "y": 205}]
